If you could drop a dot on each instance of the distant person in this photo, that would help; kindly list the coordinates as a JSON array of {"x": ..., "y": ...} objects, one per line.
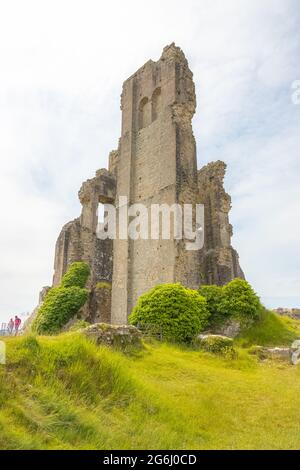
[
  {"x": 17, "y": 324},
  {"x": 10, "y": 326}
]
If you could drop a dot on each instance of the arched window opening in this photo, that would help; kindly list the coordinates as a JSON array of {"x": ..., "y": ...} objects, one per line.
[
  {"x": 144, "y": 113},
  {"x": 156, "y": 103}
]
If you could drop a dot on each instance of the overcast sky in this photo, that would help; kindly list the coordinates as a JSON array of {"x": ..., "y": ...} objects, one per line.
[{"x": 62, "y": 64}]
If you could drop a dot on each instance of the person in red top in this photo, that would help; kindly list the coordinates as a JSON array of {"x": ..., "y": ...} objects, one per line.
[{"x": 17, "y": 324}]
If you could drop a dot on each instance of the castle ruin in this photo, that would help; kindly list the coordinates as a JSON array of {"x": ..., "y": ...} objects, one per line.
[{"x": 155, "y": 163}]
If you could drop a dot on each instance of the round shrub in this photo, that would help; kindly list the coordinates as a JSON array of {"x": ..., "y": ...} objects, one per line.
[
  {"x": 178, "y": 312},
  {"x": 77, "y": 275},
  {"x": 63, "y": 302},
  {"x": 59, "y": 306},
  {"x": 214, "y": 296},
  {"x": 240, "y": 301}
]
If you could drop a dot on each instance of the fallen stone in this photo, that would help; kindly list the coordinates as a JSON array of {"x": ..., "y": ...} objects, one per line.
[
  {"x": 296, "y": 345},
  {"x": 119, "y": 336},
  {"x": 279, "y": 353},
  {"x": 296, "y": 357},
  {"x": 216, "y": 344},
  {"x": 207, "y": 336}
]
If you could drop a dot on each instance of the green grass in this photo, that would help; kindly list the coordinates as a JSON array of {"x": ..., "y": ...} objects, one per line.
[
  {"x": 271, "y": 330},
  {"x": 64, "y": 392}
]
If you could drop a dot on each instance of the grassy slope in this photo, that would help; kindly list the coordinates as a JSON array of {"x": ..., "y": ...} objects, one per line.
[
  {"x": 64, "y": 392},
  {"x": 271, "y": 330}
]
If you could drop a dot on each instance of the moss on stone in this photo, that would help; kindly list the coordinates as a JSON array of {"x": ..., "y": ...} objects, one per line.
[{"x": 103, "y": 285}]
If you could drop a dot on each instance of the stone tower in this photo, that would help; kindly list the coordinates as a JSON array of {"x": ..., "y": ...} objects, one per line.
[{"x": 155, "y": 164}]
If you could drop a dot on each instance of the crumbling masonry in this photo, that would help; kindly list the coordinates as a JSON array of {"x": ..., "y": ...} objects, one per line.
[{"x": 155, "y": 163}]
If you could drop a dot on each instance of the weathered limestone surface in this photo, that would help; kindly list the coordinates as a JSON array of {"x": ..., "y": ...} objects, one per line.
[
  {"x": 120, "y": 336},
  {"x": 100, "y": 303},
  {"x": 216, "y": 344},
  {"x": 231, "y": 329},
  {"x": 155, "y": 162},
  {"x": 291, "y": 354},
  {"x": 289, "y": 312},
  {"x": 219, "y": 261},
  {"x": 78, "y": 242},
  {"x": 78, "y": 239}
]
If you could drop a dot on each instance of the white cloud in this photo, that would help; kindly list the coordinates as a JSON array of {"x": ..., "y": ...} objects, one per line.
[{"x": 62, "y": 64}]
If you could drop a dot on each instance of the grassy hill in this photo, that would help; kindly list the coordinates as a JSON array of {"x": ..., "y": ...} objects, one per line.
[{"x": 64, "y": 392}]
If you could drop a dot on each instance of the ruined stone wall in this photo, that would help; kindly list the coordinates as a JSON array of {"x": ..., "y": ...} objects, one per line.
[
  {"x": 219, "y": 261},
  {"x": 78, "y": 239},
  {"x": 289, "y": 312},
  {"x": 78, "y": 242},
  {"x": 99, "y": 306},
  {"x": 68, "y": 249},
  {"x": 156, "y": 164}
]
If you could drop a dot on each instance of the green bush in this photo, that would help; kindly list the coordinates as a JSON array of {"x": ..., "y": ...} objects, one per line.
[
  {"x": 214, "y": 296},
  {"x": 59, "y": 306},
  {"x": 77, "y": 275},
  {"x": 218, "y": 345},
  {"x": 63, "y": 302},
  {"x": 179, "y": 313},
  {"x": 240, "y": 302},
  {"x": 236, "y": 300}
]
